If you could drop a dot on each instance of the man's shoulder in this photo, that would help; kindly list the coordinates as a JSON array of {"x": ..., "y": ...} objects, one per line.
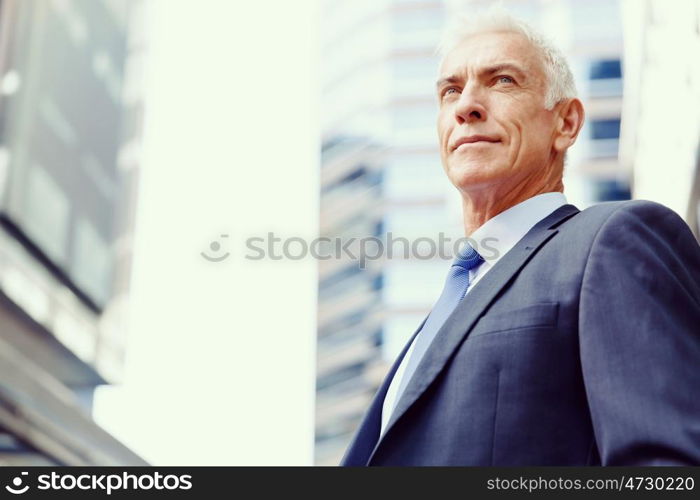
[
  {"x": 608, "y": 208},
  {"x": 629, "y": 212},
  {"x": 618, "y": 223},
  {"x": 637, "y": 223}
]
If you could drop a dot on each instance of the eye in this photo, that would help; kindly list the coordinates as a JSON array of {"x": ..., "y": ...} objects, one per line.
[
  {"x": 449, "y": 90},
  {"x": 505, "y": 79}
]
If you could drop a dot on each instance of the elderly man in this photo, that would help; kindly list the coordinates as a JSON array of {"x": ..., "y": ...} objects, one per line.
[{"x": 579, "y": 342}]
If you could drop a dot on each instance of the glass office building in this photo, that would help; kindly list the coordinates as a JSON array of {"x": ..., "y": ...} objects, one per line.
[
  {"x": 660, "y": 121},
  {"x": 70, "y": 115}
]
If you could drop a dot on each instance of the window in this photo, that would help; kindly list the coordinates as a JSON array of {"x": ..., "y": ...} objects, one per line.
[
  {"x": 611, "y": 190},
  {"x": 604, "y": 69},
  {"x": 605, "y": 129}
]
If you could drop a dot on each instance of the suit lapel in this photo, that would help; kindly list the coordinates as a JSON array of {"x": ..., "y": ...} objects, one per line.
[{"x": 460, "y": 322}]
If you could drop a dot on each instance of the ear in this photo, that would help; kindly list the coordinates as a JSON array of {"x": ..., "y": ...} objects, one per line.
[{"x": 569, "y": 122}]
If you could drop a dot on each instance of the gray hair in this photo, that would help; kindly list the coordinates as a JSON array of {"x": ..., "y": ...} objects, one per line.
[{"x": 560, "y": 80}]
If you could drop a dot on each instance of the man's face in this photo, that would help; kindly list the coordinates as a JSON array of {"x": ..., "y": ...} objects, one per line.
[{"x": 492, "y": 125}]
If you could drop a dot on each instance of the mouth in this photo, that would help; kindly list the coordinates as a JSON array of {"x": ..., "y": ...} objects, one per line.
[{"x": 473, "y": 140}]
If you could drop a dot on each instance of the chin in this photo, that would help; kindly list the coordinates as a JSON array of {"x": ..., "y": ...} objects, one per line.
[{"x": 469, "y": 176}]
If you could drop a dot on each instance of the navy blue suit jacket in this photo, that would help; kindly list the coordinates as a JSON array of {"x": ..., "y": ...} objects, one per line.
[{"x": 581, "y": 346}]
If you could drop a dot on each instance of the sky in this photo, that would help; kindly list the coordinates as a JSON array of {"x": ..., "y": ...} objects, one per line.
[{"x": 221, "y": 355}]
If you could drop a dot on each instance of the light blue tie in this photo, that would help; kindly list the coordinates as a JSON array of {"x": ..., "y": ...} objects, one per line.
[{"x": 455, "y": 288}]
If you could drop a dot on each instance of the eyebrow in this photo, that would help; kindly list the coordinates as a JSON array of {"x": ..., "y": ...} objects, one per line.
[{"x": 488, "y": 70}]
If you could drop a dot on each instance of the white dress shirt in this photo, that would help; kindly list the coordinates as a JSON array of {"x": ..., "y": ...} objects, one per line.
[{"x": 503, "y": 232}]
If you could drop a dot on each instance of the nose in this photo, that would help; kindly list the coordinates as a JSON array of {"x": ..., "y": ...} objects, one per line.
[{"x": 470, "y": 107}]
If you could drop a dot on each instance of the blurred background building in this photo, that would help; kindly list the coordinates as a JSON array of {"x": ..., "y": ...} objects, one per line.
[
  {"x": 661, "y": 119},
  {"x": 381, "y": 170},
  {"x": 70, "y": 118},
  {"x": 380, "y": 173}
]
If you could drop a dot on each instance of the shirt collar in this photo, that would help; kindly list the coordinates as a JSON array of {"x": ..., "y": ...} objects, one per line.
[{"x": 498, "y": 235}]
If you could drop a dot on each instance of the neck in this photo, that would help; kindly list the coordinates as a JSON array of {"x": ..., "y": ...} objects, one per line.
[{"x": 485, "y": 202}]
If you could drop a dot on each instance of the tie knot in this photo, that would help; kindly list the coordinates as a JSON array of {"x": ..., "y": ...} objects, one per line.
[{"x": 467, "y": 257}]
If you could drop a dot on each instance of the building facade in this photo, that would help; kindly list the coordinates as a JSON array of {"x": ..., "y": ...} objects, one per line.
[
  {"x": 70, "y": 118},
  {"x": 661, "y": 123}
]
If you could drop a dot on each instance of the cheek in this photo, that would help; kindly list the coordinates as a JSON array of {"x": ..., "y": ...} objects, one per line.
[
  {"x": 539, "y": 126},
  {"x": 527, "y": 132},
  {"x": 443, "y": 130}
]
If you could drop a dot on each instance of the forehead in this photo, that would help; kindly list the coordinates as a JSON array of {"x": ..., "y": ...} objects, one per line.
[{"x": 492, "y": 48}]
